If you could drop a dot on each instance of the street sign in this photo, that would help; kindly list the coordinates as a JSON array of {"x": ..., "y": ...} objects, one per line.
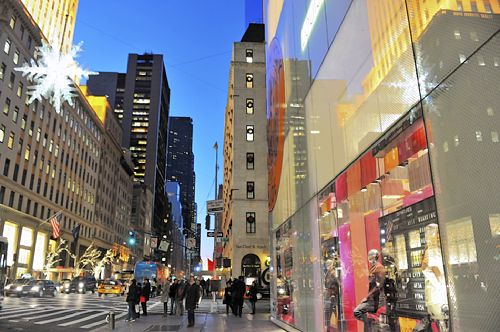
[
  {"x": 154, "y": 242},
  {"x": 163, "y": 246},
  {"x": 215, "y": 206},
  {"x": 191, "y": 243},
  {"x": 210, "y": 234}
]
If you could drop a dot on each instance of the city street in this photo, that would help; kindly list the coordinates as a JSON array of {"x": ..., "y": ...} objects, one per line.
[{"x": 68, "y": 312}]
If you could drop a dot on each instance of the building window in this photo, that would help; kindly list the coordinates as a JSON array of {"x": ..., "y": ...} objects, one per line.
[
  {"x": 2, "y": 133},
  {"x": 249, "y": 55},
  {"x": 250, "y": 222},
  {"x": 27, "y": 152},
  {"x": 6, "y": 47},
  {"x": 473, "y": 6},
  {"x": 6, "y": 167},
  {"x": 10, "y": 142},
  {"x": 494, "y": 136},
  {"x": 487, "y": 7},
  {"x": 457, "y": 34},
  {"x": 249, "y": 81},
  {"x": 6, "y": 106},
  {"x": 479, "y": 136},
  {"x": 460, "y": 6},
  {"x": 2, "y": 194},
  {"x": 480, "y": 60},
  {"x": 250, "y": 160},
  {"x": 15, "y": 114},
  {"x": 3, "y": 69},
  {"x": 12, "y": 22},
  {"x": 23, "y": 122},
  {"x": 250, "y": 190},
  {"x": 20, "y": 89},
  {"x": 11, "y": 199},
  {"x": 490, "y": 111},
  {"x": 12, "y": 79},
  {"x": 16, "y": 57},
  {"x": 249, "y": 105},
  {"x": 250, "y": 133}
]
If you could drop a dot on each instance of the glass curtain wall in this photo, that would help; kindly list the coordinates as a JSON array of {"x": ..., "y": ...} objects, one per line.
[{"x": 384, "y": 135}]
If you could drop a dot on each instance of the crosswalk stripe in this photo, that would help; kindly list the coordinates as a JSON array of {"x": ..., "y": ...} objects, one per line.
[
  {"x": 3, "y": 315},
  {"x": 64, "y": 317},
  {"x": 58, "y": 312},
  {"x": 88, "y": 326},
  {"x": 6, "y": 311},
  {"x": 20, "y": 314},
  {"x": 83, "y": 319}
]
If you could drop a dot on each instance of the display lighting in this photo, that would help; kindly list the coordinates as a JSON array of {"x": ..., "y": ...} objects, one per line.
[{"x": 311, "y": 18}]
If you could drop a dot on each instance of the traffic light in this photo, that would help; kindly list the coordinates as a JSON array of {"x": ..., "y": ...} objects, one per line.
[
  {"x": 131, "y": 238},
  {"x": 207, "y": 222}
]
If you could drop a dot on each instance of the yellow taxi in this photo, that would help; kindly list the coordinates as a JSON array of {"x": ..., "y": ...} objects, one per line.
[{"x": 111, "y": 287}]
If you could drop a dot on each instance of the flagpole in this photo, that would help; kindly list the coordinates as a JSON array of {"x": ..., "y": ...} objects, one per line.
[{"x": 33, "y": 247}]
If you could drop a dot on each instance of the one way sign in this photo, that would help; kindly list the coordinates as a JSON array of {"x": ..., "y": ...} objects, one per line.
[{"x": 210, "y": 234}]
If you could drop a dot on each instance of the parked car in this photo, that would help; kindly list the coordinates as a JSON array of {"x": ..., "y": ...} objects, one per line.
[
  {"x": 15, "y": 288},
  {"x": 39, "y": 288},
  {"x": 82, "y": 285},
  {"x": 111, "y": 287}
]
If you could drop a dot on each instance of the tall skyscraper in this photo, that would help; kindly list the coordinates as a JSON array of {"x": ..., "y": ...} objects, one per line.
[
  {"x": 56, "y": 19},
  {"x": 180, "y": 165},
  {"x": 111, "y": 85},
  {"x": 141, "y": 100},
  {"x": 180, "y": 169}
]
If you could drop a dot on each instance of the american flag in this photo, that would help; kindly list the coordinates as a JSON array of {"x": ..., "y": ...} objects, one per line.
[{"x": 56, "y": 227}]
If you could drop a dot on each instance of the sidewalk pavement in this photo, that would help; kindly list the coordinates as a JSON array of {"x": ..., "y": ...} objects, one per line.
[{"x": 204, "y": 321}]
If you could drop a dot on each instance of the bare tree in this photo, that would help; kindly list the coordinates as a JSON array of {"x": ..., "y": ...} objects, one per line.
[
  {"x": 107, "y": 259},
  {"x": 88, "y": 260},
  {"x": 53, "y": 257}
]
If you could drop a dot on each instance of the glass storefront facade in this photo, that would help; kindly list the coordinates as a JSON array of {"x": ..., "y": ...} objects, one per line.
[{"x": 384, "y": 123}]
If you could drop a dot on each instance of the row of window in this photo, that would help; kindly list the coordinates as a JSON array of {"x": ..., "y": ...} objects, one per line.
[{"x": 38, "y": 210}]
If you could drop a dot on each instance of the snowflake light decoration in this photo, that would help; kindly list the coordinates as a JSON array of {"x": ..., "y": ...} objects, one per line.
[{"x": 52, "y": 75}]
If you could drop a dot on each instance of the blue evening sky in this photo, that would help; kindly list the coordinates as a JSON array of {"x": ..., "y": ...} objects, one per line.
[{"x": 196, "y": 39}]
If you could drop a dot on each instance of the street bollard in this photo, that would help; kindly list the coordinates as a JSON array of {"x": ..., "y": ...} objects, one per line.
[{"x": 110, "y": 319}]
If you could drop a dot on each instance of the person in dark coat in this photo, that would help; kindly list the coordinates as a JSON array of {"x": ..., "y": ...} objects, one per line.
[
  {"x": 253, "y": 295},
  {"x": 145, "y": 293},
  {"x": 171, "y": 294},
  {"x": 180, "y": 296},
  {"x": 238, "y": 292},
  {"x": 132, "y": 300},
  {"x": 227, "y": 297},
  {"x": 192, "y": 297},
  {"x": 202, "y": 285}
]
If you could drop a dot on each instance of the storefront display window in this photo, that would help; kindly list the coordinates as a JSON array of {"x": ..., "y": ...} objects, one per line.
[
  {"x": 27, "y": 237},
  {"x": 384, "y": 203},
  {"x": 39, "y": 259},
  {"x": 10, "y": 232},
  {"x": 285, "y": 271}
]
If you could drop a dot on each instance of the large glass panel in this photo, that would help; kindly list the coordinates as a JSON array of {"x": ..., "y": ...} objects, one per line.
[
  {"x": 358, "y": 93},
  {"x": 461, "y": 114},
  {"x": 447, "y": 33},
  {"x": 27, "y": 237}
]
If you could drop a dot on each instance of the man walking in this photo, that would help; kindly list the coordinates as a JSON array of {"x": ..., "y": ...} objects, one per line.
[
  {"x": 165, "y": 295},
  {"x": 179, "y": 297},
  {"x": 238, "y": 292},
  {"x": 171, "y": 293},
  {"x": 192, "y": 296},
  {"x": 132, "y": 300}
]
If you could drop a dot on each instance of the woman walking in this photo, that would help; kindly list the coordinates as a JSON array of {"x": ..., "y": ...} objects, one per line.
[
  {"x": 227, "y": 297},
  {"x": 253, "y": 295},
  {"x": 132, "y": 300}
]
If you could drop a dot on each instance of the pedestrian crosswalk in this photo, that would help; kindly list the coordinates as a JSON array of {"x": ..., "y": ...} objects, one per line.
[
  {"x": 74, "y": 311},
  {"x": 77, "y": 311}
]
